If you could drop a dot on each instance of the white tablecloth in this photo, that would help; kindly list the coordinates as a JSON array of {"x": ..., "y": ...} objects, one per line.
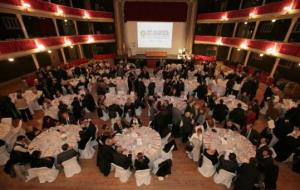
[
  {"x": 4, "y": 130},
  {"x": 178, "y": 102},
  {"x": 67, "y": 99},
  {"x": 31, "y": 99},
  {"x": 232, "y": 102},
  {"x": 143, "y": 139},
  {"x": 228, "y": 140},
  {"x": 50, "y": 141},
  {"x": 217, "y": 86},
  {"x": 119, "y": 99},
  {"x": 159, "y": 84},
  {"x": 121, "y": 84}
]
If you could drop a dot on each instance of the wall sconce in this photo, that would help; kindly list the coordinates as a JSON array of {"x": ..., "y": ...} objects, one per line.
[
  {"x": 67, "y": 42},
  {"x": 252, "y": 14},
  {"x": 224, "y": 18},
  {"x": 273, "y": 20},
  {"x": 25, "y": 5},
  {"x": 86, "y": 15},
  {"x": 39, "y": 46},
  {"x": 219, "y": 41},
  {"x": 59, "y": 11},
  {"x": 288, "y": 9},
  {"x": 11, "y": 59},
  {"x": 261, "y": 55},
  {"x": 49, "y": 51},
  {"x": 90, "y": 39},
  {"x": 272, "y": 51},
  {"x": 238, "y": 49},
  {"x": 244, "y": 45}
]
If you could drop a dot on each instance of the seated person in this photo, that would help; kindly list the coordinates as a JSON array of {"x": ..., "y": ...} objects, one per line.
[
  {"x": 141, "y": 162},
  {"x": 121, "y": 159},
  {"x": 135, "y": 122},
  {"x": 105, "y": 156},
  {"x": 32, "y": 132},
  {"x": 37, "y": 161},
  {"x": 49, "y": 122},
  {"x": 119, "y": 125},
  {"x": 228, "y": 163},
  {"x": 247, "y": 176},
  {"x": 67, "y": 154},
  {"x": 67, "y": 119},
  {"x": 251, "y": 134}
]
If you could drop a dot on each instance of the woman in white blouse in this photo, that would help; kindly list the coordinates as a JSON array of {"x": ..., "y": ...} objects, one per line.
[{"x": 196, "y": 140}]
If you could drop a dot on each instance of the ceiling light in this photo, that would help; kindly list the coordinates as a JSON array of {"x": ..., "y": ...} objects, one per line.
[
  {"x": 245, "y": 22},
  {"x": 272, "y": 51},
  {"x": 244, "y": 45},
  {"x": 11, "y": 59},
  {"x": 26, "y": 5},
  {"x": 67, "y": 42},
  {"x": 224, "y": 18},
  {"x": 86, "y": 15},
  {"x": 71, "y": 47},
  {"x": 90, "y": 39},
  {"x": 261, "y": 55},
  {"x": 288, "y": 8},
  {"x": 239, "y": 49},
  {"x": 40, "y": 47},
  {"x": 49, "y": 51},
  {"x": 273, "y": 20},
  {"x": 219, "y": 42},
  {"x": 59, "y": 11}
]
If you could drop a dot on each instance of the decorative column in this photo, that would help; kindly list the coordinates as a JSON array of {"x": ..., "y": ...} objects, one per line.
[
  {"x": 191, "y": 24},
  {"x": 57, "y": 33},
  {"x": 252, "y": 37},
  {"x": 233, "y": 35},
  {"x": 119, "y": 26},
  {"x": 79, "y": 46},
  {"x": 20, "y": 19},
  {"x": 286, "y": 39}
]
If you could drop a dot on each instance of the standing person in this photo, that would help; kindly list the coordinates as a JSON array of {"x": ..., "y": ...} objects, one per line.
[
  {"x": 186, "y": 126},
  {"x": 248, "y": 176},
  {"x": 22, "y": 106},
  {"x": 105, "y": 156}
]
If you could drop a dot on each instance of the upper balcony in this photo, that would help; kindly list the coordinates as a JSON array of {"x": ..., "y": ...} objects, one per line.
[
  {"x": 50, "y": 10},
  {"x": 278, "y": 10}
]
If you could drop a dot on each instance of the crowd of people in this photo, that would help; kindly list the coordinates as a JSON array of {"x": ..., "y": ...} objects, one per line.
[{"x": 204, "y": 111}]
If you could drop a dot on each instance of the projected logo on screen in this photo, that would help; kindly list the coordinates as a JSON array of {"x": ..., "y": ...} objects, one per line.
[{"x": 155, "y": 34}]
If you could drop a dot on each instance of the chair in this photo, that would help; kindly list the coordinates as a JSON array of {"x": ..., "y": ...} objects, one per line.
[
  {"x": 105, "y": 116},
  {"x": 207, "y": 169},
  {"x": 121, "y": 173},
  {"x": 4, "y": 156},
  {"x": 44, "y": 174},
  {"x": 164, "y": 140},
  {"x": 142, "y": 177},
  {"x": 138, "y": 111},
  {"x": 7, "y": 120},
  {"x": 88, "y": 152},
  {"x": 224, "y": 177},
  {"x": 71, "y": 167}
]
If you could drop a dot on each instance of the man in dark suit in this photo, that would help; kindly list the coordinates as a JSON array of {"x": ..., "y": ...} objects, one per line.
[
  {"x": 105, "y": 156},
  {"x": 248, "y": 176},
  {"x": 220, "y": 111},
  {"x": 201, "y": 91},
  {"x": 122, "y": 160},
  {"x": 67, "y": 154},
  {"x": 237, "y": 115},
  {"x": 141, "y": 162},
  {"x": 251, "y": 134}
]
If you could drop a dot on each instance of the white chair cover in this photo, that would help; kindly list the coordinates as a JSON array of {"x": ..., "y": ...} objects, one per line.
[
  {"x": 224, "y": 177},
  {"x": 71, "y": 167},
  {"x": 121, "y": 173},
  {"x": 105, "y": 116},
  {"x": 142, "y": 177},
  {"x": 4, "y": 156},
  {"x": 138, "y": 111},
  {"x": 207, "y": 169},
  {"x": 44, "y": 174},
  {"x": 112, "y": 90},
  {"x": 164, "y": 156},
  {"x": 7, "y": 120},
  {"x": 88, "y": 152},
  {"x": 164, "y": 140}
]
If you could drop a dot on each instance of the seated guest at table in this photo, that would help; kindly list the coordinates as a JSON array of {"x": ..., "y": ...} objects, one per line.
[
  {"x": 237, "y": 115},
  {"x": 119, "y": 126},
  {"x": 141, "y": 162},
  {"x": 196, "y": 143},
  {"x": 232, "y": 126},
  {"x": 243, "y": 97},
  {"x": 250, "y": 115},
  {"x": 22, "y": 106},
  {"x": 209, "y": 124},
  {"x": 68, "y": 153},
  {"x": 201, "y": 91},
  {"x": 247, "y": 176},
  {"x": 121, "y": 159},
  {"x": 151, "y": 88},
  {"x": 287, "y": 145},
  {"x": 88, "y": 102},
  {"x": 220, "y": 111},
  {"x": 251, "y": 134},
  {"x": 207, "y": 169},
  {"x": 77, "y": 109},
  {"x": 256, "y": 108},
  {"x": 144, "y": 74},
  {"x": 186, "y": 125},
  {"x": 37, "y": 161},
  {"x": 49, "y": 122},
  {"x": 32, "y": 132},
  {"x": 62, "y": 107},
  {"x": 101, "y": 88},
  {"x": 228, "y": 163},
  {"x": 167, "y": 87},
  {"x": 105, "y": 156},
  {"x": 229, "y": 86},
  {"x": 135, "y": 122},
  {"x": 67, "y": 119},
  {"x": 114, "y": 110}
]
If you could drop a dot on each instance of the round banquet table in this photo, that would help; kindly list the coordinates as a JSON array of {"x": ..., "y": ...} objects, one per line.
[
  {"x": 119, "y": 99},
  {"x": 178, "y": 102},
  {"x": 4, "y": 131},
  {"x": 67, "y": 99},
  {"x": 50, "y": 141},
  {"x": 142, "y": 139},
  {"x": 231, "y": 102},
  {"x": 227, "y": 140}
]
